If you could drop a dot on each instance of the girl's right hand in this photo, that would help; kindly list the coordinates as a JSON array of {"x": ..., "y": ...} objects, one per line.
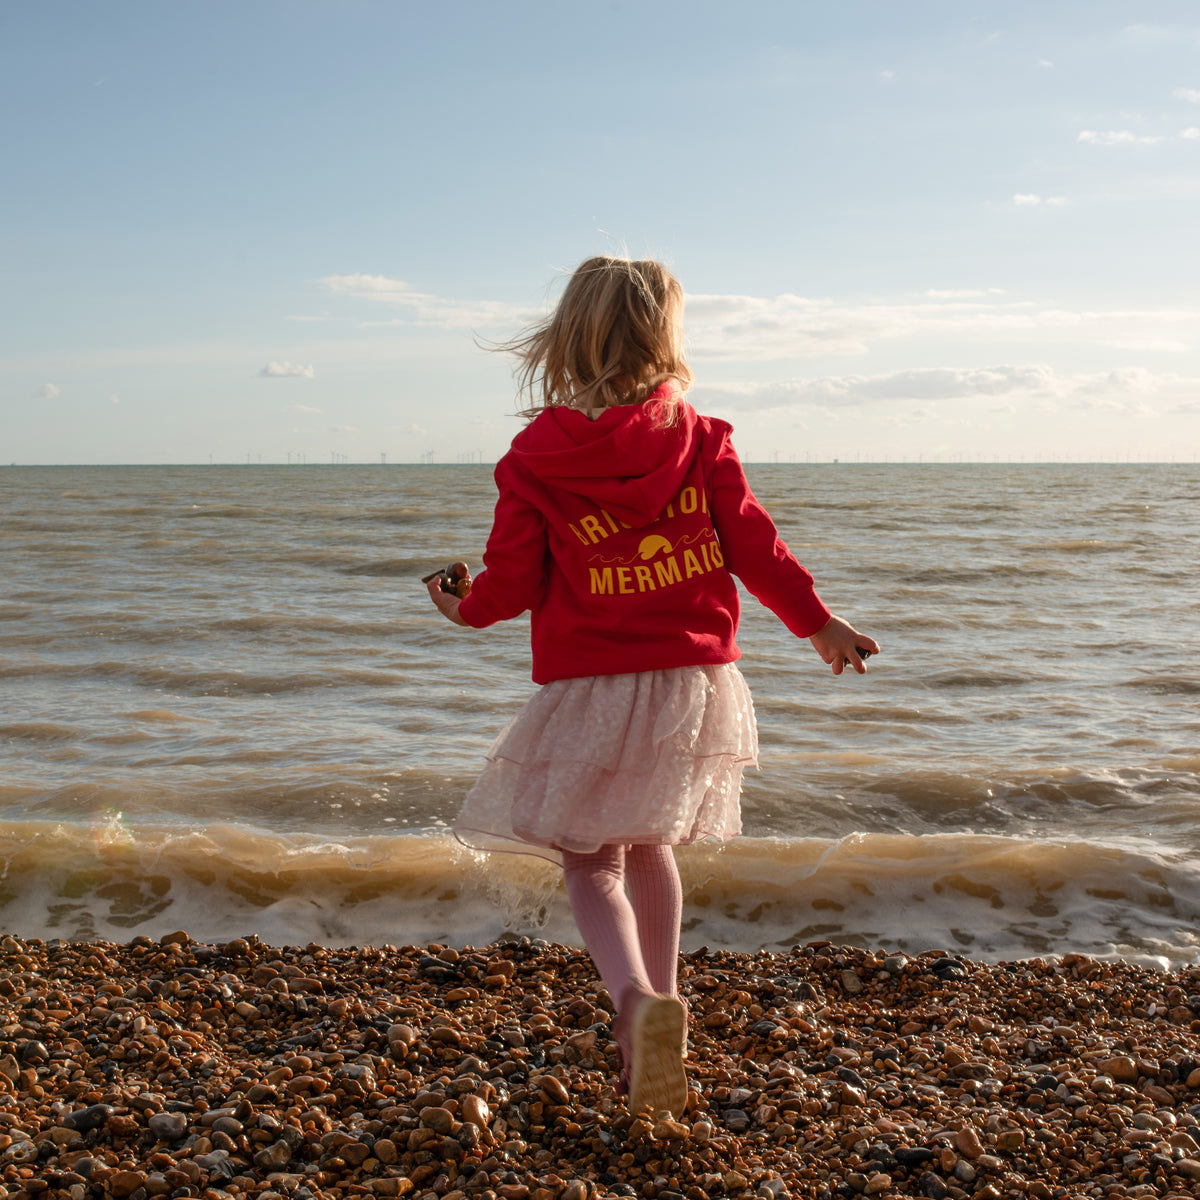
[
  {"x": 838, "y": 643},
  {"x": 444, "y": 602}
]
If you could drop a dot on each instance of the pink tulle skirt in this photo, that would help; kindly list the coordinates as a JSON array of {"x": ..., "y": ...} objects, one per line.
[{"x": 652, "y": 757}]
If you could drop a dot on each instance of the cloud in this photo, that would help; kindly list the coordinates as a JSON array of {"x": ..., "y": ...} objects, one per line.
[
  {"x": 1032, "y": 199},
  {"x": 1044, "y": 62},
  {"x": 919, "y": 384},
  {"x": 731, "y": 328},
  {"x": 1191, "y": 95},
  {"x": 113, "y": 398},
  {"x": 962, "y": 293},
  {"x": 425, "y": 308},
  {"x": 48, "y": 391},
  {"x": 416, "y": 429},
  {"x": 1124, "y": 390},
  {"x": 1191, "y": 133},
  {"x": 278, "y": 370},
  {"x": 343, "y": 429},
  {"x": 1116, "y": 137},
  {"x": 887, "y": 76},
  {"x": 322, "y": 317},
  {"x": 303, "y": 408}
]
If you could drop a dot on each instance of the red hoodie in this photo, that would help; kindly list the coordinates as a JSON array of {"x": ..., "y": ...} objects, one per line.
[{"x": 620, "y": 536}]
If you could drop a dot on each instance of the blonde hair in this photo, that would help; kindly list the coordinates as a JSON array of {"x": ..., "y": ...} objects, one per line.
[{"x": 614, "y": 337}]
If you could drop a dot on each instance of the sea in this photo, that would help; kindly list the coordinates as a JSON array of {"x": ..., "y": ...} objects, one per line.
[{"x": 227, "y": 707}]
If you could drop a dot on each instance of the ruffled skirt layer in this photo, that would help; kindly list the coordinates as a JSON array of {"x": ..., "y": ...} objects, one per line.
[{"x": 652, "y": 757}]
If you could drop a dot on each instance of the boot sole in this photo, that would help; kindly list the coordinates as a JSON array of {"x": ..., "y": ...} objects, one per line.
[{"x": 657, "y": 1079}]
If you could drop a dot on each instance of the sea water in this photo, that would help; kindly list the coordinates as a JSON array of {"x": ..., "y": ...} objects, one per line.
[{"x": 227, "y": 706}]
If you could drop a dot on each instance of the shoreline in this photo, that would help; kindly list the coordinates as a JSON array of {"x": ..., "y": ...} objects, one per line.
[{"x": 177, "y": 1068}]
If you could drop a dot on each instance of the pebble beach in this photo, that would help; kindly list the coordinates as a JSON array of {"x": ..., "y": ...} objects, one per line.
[{"x": 171, "y": 1067}]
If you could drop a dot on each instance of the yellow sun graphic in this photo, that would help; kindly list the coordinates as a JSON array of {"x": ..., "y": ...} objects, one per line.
[{"x": 652, "y": 545}]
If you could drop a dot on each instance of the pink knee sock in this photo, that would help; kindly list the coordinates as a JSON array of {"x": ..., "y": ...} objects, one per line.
[
  {"x": 596, "y": 887},
  {"x": 657, "y": 898},
  {"x": 632, "y": 941}
]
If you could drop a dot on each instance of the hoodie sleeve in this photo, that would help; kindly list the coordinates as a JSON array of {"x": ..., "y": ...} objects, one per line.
[
  {"x": 751, "y": 545},
  {"x": 514, "y": 562}
]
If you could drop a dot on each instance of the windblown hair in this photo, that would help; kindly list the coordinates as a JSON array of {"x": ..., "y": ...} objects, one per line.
[{"x": 614, "y": 337}]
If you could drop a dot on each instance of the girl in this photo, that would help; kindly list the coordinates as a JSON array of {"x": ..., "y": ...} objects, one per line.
[{"x": 621, "y": 520}]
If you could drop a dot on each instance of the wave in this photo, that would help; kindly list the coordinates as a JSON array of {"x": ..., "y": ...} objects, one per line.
[
  {"x": 40, "y": 731},
  {"x": 986, "y": 897},
  {"x": 205, "y": 683}
]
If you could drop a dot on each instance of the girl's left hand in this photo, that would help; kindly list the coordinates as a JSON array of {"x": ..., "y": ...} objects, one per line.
[
  {"x": 445, "y": 603},
  {"x": 839, "y": 643}
]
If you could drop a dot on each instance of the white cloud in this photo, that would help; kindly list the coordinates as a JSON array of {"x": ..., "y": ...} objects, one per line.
[
  {"x": 1021, "y": 199},
  {"x": 1191, "y": 133},
  {"x": 919, "y": 384},
  {"x": 427, "y": 309},
  {"x": 1057, "y": 201},
  {"x": 749, "y": 328},
  {"x": 322, "y": 317},
  {"x": 1191, "y": 95},
  {"x": 756, "y": 328},
  {"x": 114, "y": 398},
  {"x": 887, "y": 76},
  {"x": 962, "y": 293},
  {"x": 1044, "y": 62},
  {"x": 416, "y": 429},
  {"x": 1125, "y": 390},
  {"x": 1116, "y": 137},
  {"x": 343, "y": 429},
  {"x": 303, "y": 408},
  {"x": 283, "y": 370},
  {"x": 49, "y": 391}
]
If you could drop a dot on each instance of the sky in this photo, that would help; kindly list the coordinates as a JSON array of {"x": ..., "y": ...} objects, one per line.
[{"x": 284, "y": 230}]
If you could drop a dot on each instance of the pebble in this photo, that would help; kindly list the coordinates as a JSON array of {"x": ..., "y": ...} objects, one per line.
[
  {"x": 242, "y": 1071},
  {"x": 1121, "y": 1067},
  {"x": 85, "y": 1119},
  {"x": 475, "y": 1111},
  {"x": 167, "y": 1126}
]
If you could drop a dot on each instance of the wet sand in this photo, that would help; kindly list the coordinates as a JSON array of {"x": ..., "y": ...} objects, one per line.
[{"x": 174, "y": 1068}]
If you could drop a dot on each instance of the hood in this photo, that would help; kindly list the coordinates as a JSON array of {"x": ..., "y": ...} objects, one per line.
[{"x": 623, "y": 461}]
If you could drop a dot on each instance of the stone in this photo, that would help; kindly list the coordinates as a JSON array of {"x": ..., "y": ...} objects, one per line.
[
  {"x": 1121, "y": 1067},
  {"x": 92, "y": 1117},
  {"x": 554, "y": 1089},
  {"x": 968, "y": 1143},
  {"x": 275, "y": 1156},
  {"x": 440, "y": 1120},
  {"x": 401, "y": 1037},
  {"x": 964, "y": 1172},
  {"x": 670, "y": 1131},
  {"x": 124, "y": 1183},
  {"x": 475, "y": 1112},
  {"x": 167, "y": 1126}
]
